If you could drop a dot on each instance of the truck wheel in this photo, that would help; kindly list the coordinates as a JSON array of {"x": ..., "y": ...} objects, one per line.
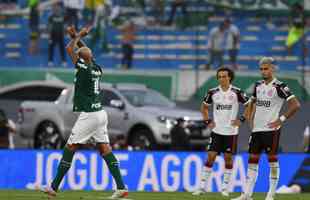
[
  {"x": 48, "y": 137},
  {"x": 143, "y": 139}
]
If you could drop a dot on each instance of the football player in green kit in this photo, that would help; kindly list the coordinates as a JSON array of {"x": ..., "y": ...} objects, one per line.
[{"x": 92, "y": 121}]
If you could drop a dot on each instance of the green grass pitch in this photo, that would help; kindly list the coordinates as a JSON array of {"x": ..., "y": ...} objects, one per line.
[{"x": 93, "y": 195}]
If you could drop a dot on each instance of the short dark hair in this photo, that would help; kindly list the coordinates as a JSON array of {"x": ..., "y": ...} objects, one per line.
[{"x": 230, "y": 72}]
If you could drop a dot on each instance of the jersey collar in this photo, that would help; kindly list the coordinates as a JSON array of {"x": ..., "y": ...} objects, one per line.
[
  {"x": 273, "y": 80},
  {"x": 229, "y": 88}
]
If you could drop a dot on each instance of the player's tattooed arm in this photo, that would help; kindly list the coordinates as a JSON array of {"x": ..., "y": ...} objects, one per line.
[{"x": 293, "y": 107}]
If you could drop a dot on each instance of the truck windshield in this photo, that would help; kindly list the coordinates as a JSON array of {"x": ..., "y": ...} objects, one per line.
[{"x": 141, "y": 98}]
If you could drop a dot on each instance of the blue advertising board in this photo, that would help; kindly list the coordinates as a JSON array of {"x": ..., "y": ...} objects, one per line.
[{"x": 142, "y": 171}]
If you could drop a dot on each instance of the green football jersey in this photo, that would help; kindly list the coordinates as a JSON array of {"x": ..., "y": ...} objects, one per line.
[{"x": 86, "y": 87}]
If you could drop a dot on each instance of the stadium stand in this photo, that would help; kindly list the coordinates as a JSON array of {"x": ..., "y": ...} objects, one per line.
[{"x": 161, "y": 47}]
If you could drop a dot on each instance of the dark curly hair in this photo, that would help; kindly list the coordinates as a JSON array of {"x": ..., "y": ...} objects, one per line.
[{"x": 230, "y": 72}]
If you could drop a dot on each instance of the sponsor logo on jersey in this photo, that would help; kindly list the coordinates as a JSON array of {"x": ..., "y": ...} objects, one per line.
[
  {"x": 96, "y": 105},
  {"x": 223, "y": 107},
  {"x": 264, "y": 103}
]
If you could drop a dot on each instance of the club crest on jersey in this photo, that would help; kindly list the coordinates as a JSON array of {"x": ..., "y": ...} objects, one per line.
[{"x": 231, "y": 97}]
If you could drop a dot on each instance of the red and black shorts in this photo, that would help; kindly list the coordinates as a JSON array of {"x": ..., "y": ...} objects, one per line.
[
  {"x": 267, "y": 141},
  {"x": 223, "y": 143}
]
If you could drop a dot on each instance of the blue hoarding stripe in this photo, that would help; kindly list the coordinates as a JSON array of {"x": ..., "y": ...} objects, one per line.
[{"x": 147, "y": 171}]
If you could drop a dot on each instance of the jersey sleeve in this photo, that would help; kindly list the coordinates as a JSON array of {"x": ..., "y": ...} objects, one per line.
[
  {"x": 253, "y": 97},
  {"x": 284, "y": 92},
  {"x": 242, "y": 97},
  {"x": 208, "y": 98}
]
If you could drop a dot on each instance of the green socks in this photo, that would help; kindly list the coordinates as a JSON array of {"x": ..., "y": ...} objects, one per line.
[
  {"x": 63, "y": 167},
  {"x": 114, "y": 169},
  {"x": 65, "y": 164}
]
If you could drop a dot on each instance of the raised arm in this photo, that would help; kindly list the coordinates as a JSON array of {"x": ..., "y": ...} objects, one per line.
[
  {"x": 70, "y": 48},
  {"x": 76, "y": 42},
  {"x": 72, "y": 33}
]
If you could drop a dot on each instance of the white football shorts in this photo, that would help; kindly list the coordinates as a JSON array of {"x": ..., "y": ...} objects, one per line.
[{"x": 90, "y": 125}]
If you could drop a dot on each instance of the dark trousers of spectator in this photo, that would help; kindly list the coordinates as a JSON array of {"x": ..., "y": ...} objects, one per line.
[
  {"x": 56, "y": 39},
  {"x": 233, "y": 53},
  {"x": 127, "y": 50},
  {"x": 71, "y": 17},
  {"x": 174, "y": 7},
  {"x": 215, "y": 56},
  {"x": 34, "y": 17}
]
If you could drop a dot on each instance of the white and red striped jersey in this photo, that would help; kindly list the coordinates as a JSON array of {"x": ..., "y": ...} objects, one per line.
[
  {"x": 225, "y": 108},
  {"x": 269, "y": 99}
]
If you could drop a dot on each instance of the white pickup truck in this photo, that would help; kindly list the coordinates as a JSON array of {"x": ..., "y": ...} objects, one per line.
[{"x": 143, "y": 116}]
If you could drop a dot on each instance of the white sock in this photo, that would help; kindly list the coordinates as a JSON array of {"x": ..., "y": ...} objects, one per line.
[
  {"x": 205, "y": 175},
  {"x": 273, "y": 177},
  {"x": 251, "y": 179},
  {"x": 226, "y": 181}
]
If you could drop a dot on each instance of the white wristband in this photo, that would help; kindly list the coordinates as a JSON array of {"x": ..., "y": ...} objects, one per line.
[{"x": 282, "y": 118}]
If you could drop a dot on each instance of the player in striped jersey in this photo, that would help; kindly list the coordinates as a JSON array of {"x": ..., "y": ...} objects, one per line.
[
  {"x": 225, "y": 100},
  {"x": 266, "y": 102}
]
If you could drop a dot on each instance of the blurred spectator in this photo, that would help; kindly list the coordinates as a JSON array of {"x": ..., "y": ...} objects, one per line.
[
  {"x": 224, "y": 37},
  {"x": 103, "y": 12},
  {"x": 34, "y": 17},
  {"x": 89, "y": 10},
  {"x": 128, "y": 38},
  {"x": 180, "y": 136},
  {"x": 157, "y": 11},
  {"x": 233, "y": 42},
  {"x": 297, "y": 25},
  {"x": 7, "y": 128},
  {"x": 56, "y": 34},
  {"x": 72, "y": 8},
  {"x": 174, "y": 5}
]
